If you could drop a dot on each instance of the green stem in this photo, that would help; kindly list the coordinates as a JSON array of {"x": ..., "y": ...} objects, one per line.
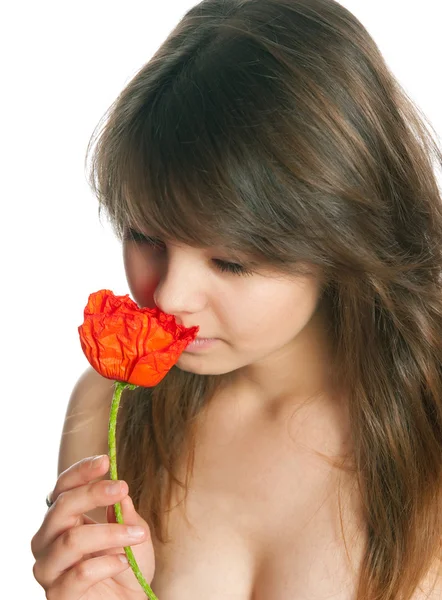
[{"x": 119, "y": 387}]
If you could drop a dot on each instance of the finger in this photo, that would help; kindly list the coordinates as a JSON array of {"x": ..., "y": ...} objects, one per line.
[
  {"x": 88, "y": 521},
  {"x": 143, "y": 552},
  {"x": 78, "y": 543},
  {"x": 130, "y": 517},
  {"x": 126, "y": 508},
  {"x": 77, "y": 581},
  {"x": 129, "y": 514},
  {"x": 80, "y": 473},
  {"x": 69, "y": 507}
]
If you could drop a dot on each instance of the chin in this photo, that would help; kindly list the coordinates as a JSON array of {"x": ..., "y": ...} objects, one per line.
[{"x": 201, "y": 369}]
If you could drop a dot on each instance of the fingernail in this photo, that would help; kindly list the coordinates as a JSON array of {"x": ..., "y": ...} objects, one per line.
[
  {"x": 96, "y": 462},
  {"x": 134, "y": 531},
  {"x": 113, "y": 488}
]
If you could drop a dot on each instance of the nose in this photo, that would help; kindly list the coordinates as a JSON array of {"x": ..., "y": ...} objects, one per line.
[{"x": 181, "y": 289}]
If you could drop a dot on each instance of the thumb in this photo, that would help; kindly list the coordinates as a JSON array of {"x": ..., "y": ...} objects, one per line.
[
  {"x": 143, "y": 551},
  {"x": 130, "y": 515}
]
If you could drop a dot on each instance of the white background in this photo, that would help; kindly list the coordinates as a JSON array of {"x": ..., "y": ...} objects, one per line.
[{"x": 62, "y": 66}]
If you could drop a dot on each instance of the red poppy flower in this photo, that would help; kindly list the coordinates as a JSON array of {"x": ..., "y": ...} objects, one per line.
[
  {"x": 135, "y": 347},
  {"x": 131, "y": 344}
]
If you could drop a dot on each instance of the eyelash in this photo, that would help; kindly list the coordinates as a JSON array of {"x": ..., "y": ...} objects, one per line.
[{"x": 225, "y": 267}]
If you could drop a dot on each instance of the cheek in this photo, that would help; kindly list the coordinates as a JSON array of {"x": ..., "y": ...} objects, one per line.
[
  {"x": 277, "y": 312},
  {"x": 142, "y": 277}
]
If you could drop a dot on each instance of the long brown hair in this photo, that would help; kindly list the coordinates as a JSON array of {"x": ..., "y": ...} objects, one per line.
[{"x": 275, "y": 127}]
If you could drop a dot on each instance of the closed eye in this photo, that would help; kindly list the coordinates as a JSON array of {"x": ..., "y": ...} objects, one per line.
[
  {"x": 156, "y": 244},
  {"x": 135, "y": 236},
  {"x": 231, "y": 267}
]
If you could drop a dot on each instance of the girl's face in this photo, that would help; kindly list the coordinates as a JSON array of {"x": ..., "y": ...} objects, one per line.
[{"x": 254, "y": 317}]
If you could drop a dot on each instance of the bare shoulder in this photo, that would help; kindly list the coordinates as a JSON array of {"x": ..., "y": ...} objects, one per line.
[
  {"x": 85, "y": 427},
  {"x": 431, "y": 587}
]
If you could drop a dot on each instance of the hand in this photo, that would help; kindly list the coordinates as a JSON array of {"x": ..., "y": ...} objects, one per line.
[{"x": 78, "y": 558}]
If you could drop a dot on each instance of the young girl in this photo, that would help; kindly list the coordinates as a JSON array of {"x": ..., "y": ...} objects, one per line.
[{"x": 272, "y": 183}]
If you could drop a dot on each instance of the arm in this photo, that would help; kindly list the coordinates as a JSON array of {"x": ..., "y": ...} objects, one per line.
[{"x": 85, "y": 426}]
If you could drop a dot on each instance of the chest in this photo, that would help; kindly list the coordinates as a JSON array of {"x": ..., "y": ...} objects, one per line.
[{"x": 261, "y": 521}]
